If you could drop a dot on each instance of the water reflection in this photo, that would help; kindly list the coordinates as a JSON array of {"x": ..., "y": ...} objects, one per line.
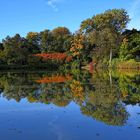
[{"x": 101, "y": 95}]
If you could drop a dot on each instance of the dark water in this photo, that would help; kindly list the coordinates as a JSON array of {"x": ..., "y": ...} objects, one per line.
[{"x": 72, "y": 105}]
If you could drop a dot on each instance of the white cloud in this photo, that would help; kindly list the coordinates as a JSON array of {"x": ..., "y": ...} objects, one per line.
[{"x": 53, "y": 4}]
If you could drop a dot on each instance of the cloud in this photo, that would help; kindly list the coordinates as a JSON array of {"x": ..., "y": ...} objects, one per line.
[{"x": 53, "y": 4}]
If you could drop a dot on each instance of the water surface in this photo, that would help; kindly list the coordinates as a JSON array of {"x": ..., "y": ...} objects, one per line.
[{"x": 74, "y": 105}]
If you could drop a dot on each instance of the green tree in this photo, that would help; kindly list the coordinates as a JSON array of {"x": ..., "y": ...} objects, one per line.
[
  {"x": 61, "y": 39},
  {"x": 130, "y": 48},
  {"x": 15, "y": 50},
  {"x": 104, "y": 31},
  {"x": 1, "y": 47},
  {"x": 45, "y": 41},
  {"x": 34, "y": 42}
]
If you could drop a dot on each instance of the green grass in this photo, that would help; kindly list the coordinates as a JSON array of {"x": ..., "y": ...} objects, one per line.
[{"x": 131, "y": 64}]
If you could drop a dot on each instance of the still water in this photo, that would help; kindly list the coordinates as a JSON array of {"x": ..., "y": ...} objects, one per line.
[{"x": 73, "y": 105}]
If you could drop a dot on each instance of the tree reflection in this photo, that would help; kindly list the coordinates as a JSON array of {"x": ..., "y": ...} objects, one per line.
[
  {"x": 129, "y": 84},
  {"x": 100, "y": 95}
]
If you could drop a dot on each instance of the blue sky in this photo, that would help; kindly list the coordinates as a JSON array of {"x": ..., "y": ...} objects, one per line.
[{"x": 22, "y": 16}]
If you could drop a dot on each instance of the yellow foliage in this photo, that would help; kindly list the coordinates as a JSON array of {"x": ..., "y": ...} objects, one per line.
[
  {"x": 77, "y": 90},
  {"x": 77, "y": 45}
]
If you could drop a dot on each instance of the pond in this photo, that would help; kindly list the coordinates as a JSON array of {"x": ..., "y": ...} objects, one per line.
[{"x": 70, "y": 105}]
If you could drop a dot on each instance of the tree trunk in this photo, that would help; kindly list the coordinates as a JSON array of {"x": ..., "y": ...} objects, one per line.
[
  {"x": 110, "y": 77},
  {"x": 110, "y": 60}
]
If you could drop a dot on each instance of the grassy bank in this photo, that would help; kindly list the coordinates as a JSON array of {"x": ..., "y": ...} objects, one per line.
[
  {"x": 130, "y": 64},
  {"x": 115, "y": 65}
]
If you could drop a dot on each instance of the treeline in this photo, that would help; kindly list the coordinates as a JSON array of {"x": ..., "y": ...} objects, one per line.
[
  {"x": 19, "y": 50},
  {"x": 102, "y": 38}
]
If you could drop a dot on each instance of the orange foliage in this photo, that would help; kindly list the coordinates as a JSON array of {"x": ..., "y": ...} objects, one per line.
[
  {"x": 55, "y": 79},
  {"x": 54, "y": 56},
  {"x": 69, "y": 58}
]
